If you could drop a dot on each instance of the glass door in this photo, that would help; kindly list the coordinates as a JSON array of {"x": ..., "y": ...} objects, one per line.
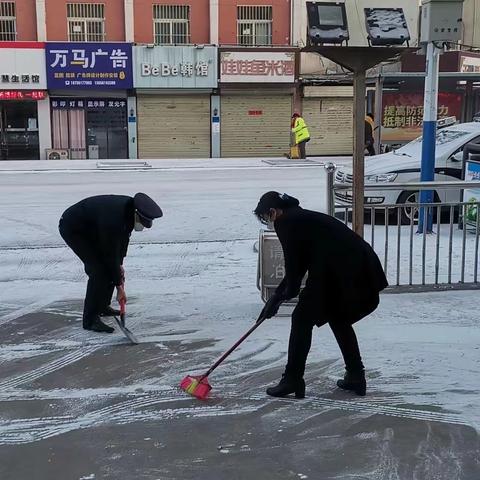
[
  {"x": 107, "y": 134},
  {"x": 19, "y": 131}
]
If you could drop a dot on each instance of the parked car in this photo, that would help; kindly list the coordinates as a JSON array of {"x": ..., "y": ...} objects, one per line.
[{"x": 403, "y": 166}]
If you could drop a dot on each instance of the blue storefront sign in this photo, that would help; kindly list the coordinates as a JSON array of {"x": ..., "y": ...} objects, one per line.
[{"x": 101, "y": 66}]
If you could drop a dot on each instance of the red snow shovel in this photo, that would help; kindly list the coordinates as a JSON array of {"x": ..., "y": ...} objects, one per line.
[{"x": 198, "y": 386}]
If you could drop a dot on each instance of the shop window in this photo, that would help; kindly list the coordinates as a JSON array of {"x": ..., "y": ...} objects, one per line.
[
  {"x": 254, "y": 25},
  {"x": 18, "y": 130},
  {"x": 171, "y": 24},
  {"x": 86, "y": 22},
  {"x": 68, "y": 131},
  {"x": 8, "y": 22},
  {"x": 90, "y": 128}
]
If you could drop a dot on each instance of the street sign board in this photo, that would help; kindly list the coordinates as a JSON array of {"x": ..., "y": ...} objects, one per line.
[
  {"x": 175, "y": 66},
  {"x": 102, "y": 66},
  {"x": 271, "y": 264}
]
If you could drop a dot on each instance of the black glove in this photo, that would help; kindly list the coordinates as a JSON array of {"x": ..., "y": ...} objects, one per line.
[{"x": 271, "y": 307}]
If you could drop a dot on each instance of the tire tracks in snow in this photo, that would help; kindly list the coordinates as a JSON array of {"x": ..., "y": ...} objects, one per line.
[
  {"x": 47, "y": 368},
  {"x": 142, "y": 409},
  {"x": 27, "y": 309},
  {"x": 22, "y": 431}
]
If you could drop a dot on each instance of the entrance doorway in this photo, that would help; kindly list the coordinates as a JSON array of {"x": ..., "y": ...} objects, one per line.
[
  {"x": 90, "y": 128},
  {"x": 107, "y": 134},
  {"x": 19, "y": 131}
]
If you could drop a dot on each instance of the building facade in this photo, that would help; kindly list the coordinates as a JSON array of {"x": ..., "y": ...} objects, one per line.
[
  {"x": 175, "y": 86},
  {"x": 24, "y": 109},
  {"x": 90, "y": 85},
  {"x": 140, "y": 78},
  {"x": 127, "y": 78},
  {"x": 327, "y": 97},
  {"x": 257, "y": 89}
]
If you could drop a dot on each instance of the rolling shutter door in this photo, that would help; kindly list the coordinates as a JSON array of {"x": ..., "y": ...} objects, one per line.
[
  {"x": 255, "y": 125},
  {"x": 173, "y": 126},
  {"x": 330, "y": 123}
]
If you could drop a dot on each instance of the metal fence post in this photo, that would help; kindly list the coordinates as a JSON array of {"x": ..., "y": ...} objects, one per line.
[{"x": 330, "y": 168}]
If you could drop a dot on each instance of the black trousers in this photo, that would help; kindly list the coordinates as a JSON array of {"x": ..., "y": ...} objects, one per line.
[
  {"x": 302, "y": 149},
  {"x": 301, "y": 341},
  {"x": 99, "y": 287},
  {"x": 370, "y": 149}
]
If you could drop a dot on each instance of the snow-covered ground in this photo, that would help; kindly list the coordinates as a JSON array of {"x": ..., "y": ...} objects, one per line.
[
  {"x": 198, "y": 204},
  {"x": 80, "y": 405}
]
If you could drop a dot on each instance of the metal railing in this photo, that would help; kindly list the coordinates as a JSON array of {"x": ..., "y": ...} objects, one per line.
[{"x": 446, "y": 258}]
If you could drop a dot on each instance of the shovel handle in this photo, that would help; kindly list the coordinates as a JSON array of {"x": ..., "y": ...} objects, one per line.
[{"x": 259, "y": 321}]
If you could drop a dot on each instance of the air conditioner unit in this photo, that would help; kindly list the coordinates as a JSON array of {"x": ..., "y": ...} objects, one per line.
[{"x": 57, "y": 154}]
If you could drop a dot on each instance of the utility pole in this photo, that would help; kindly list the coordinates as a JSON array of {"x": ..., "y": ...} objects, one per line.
[
  {"x": 441, "y": 22},
  {"x": 358, "y": 193},
  {"x": 430, "y": 109}
]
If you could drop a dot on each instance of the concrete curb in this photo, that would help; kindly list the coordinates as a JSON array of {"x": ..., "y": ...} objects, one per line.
[{"x": 76, "y": 166}]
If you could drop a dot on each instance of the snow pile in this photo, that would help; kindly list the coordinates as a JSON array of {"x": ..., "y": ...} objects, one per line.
[
  {"x": 386, "y": 25},
  {"x": 324, "y": 35}
]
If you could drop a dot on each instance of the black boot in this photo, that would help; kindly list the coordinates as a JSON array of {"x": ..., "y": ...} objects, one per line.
[
  {"x": 287, "y": 386},
  {"x": 355, "y": 382},
  {"x": 96, "y": 325},
  {"x": 110, "y": 312}
]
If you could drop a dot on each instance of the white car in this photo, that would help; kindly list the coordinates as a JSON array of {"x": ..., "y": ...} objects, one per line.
[{"x": 403, "y": 166}]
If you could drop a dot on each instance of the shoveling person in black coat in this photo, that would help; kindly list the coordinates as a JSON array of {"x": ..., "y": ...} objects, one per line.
[
  {"x": 344, "y": 280},
  {"x": 98, "y": 230}
]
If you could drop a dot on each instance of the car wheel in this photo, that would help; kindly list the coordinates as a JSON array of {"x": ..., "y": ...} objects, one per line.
[
  {"x": 407, "y": 212},
  {"x": 413, "y": 197}
]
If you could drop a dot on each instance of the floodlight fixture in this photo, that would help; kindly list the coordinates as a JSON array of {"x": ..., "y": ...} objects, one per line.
[
  {"x": 386, "y": 26},
  {"x": 327, "y": 23}
]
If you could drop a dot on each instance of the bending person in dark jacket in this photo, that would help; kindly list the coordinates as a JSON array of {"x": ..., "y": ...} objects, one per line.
[
  {"x": 344, "y": 279},
  {"x": 98, "y": 230}
]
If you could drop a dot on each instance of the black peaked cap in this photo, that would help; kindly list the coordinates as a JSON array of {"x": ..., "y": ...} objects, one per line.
[{"x": 146, "y": 208}]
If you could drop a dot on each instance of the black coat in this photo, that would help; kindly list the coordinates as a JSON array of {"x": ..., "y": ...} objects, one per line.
[
  {"x": 105, "y": 221},
  {"x": 344, "y": 273},
  {"x": 368, "y": 134}
]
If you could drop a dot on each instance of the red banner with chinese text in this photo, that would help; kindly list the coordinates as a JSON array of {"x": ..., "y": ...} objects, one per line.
[{"x": 402, "y": 116}]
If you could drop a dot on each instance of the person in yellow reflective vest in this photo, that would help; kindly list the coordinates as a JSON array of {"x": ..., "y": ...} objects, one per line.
[{"x": 302, "y": 135}]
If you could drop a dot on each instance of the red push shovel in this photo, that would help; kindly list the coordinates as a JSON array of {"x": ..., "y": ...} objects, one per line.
[{"x": 198, "y": 386}]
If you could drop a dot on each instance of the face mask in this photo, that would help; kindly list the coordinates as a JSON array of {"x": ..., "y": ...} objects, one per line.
[
  {"x": 138, "y": 225},
  {"x": 271, "y": 221}
]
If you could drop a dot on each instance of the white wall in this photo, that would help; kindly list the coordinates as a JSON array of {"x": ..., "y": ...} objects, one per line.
[
  {"x": 214, "y": 19},
  {"x": 132, "y": 127},
  {"x": 44, "y": 126},
  {"x": 129, "y": 23},
  {"x": 471, "y": 23},
  {"x": 41, "y": 20}
]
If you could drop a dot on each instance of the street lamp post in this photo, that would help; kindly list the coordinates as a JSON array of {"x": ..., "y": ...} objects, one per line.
[
  {"x": 430, "y": 107},
  {"x": 328, "y": 30},
  {"x": 441, "y": 23}
]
